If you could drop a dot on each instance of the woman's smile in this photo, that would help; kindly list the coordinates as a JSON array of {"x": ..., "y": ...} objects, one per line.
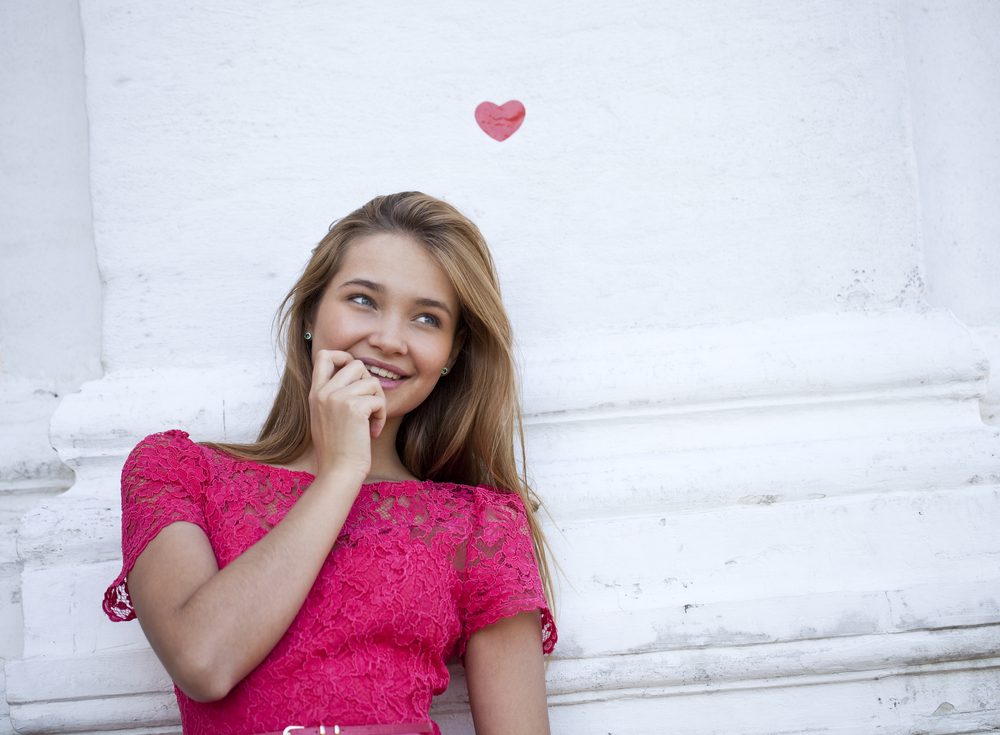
[{"x": 389, "y": 376}]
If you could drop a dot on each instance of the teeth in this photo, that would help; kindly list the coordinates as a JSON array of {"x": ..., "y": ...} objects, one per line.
[{"x": 382, "y": 373}]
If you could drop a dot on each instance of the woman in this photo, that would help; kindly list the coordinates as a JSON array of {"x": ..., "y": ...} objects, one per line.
[{"x": 322, "y": 576}]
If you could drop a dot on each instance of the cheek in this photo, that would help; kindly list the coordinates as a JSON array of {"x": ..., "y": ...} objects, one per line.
[
  {"x": 340, "y": 325},
  {"x": 431, "y": 358},
  {"x": 436, "y": 353}
]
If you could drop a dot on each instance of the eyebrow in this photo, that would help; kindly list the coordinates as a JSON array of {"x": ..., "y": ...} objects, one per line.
[{"x": 378, "y": 288}]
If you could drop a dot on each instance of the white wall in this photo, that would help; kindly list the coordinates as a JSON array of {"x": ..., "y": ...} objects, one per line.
[
  {"x": 953, "y": 64},
  {"x": 50, "y": 299},
  {"x": 758, "y": 432}
]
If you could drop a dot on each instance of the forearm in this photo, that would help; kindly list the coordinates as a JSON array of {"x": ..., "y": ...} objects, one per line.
[{"x": 233, "y": 621}]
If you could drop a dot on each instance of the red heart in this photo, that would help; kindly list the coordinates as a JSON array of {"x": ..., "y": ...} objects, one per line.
[{"x": 500, "y": 122}]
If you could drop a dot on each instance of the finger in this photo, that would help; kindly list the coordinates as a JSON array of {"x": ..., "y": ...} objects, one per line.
[
  {"x": 325, "y": 365},
  {"x": 374, "y": 406},
  {"x": 365, "y": 386},
  {"x": 351, "y": 372},
  {"x": 322, "y": 369},
  {"x": 378, "y": 416}
]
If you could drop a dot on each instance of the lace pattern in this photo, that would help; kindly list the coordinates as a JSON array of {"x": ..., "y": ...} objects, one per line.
[{"x": 417, "y": 569}]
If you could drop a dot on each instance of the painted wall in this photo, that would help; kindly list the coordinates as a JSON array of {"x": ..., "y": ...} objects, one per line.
[
  {"x": 758, "y": 427},
  {"x": 50, "y": 297},
  {"x": 953, "y": 70}
]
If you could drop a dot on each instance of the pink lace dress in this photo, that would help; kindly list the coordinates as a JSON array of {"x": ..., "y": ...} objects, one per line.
[{"x": 418, "y": 567}]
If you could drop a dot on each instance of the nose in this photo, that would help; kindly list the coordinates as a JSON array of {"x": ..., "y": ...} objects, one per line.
[{"x": 388, "y": 336}]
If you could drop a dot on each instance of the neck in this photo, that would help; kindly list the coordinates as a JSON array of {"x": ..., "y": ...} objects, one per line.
[{"x": 386, "y": 464}]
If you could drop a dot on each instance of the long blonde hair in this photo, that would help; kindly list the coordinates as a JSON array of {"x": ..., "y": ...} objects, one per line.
[{"x": 466, "y": 430}]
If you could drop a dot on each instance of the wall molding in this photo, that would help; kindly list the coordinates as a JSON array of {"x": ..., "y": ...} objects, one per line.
[{"x": 56, "y": 695}]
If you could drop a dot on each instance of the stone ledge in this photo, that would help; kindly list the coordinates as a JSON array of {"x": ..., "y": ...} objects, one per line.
[
  {"x": 112, "y": 690},
  {"x": 27, "y": 461}
]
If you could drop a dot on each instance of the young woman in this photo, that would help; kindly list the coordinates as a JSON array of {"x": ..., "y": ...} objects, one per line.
[{"x": 322, "y": 576}]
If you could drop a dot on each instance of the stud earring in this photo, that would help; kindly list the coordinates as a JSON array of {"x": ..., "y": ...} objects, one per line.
[
  {"x": 308, "y": 336},
  {"x": 444, "y": 371}
]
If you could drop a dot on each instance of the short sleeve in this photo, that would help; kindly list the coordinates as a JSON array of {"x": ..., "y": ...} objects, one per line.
[
  {"x": 501, "y": 576},
  {"x": 162, "y": 482}
]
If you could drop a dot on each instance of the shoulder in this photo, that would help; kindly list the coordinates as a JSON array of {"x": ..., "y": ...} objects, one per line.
[
  {"x": 170, "y": 454},
  {"x": 173, "y": 442},
  {"x": 485, "y": 505},
  {"x": 478, "y": 494},
  {"x": 175, "y": 438}
]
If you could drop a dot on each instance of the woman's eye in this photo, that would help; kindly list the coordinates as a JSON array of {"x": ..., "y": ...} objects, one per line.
[
  {"x": 430, "y": 320},
  {"x": 360, "y": 298}
]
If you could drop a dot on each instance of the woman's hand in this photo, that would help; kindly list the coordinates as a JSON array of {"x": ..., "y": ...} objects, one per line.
[{"x": 346, "y": 411}]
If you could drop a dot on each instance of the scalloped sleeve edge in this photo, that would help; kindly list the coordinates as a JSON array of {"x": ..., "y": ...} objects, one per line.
[{"x": 117, "y": 604}]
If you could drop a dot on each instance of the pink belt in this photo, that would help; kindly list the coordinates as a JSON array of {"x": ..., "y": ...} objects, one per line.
[{"x": 404, "y": 728}]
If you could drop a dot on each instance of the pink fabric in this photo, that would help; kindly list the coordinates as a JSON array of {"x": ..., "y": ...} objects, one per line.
[{"x": 418, "y": 567}]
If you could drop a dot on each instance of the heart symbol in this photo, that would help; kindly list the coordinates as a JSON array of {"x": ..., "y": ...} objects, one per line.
[{"x": 500, "y": 122}]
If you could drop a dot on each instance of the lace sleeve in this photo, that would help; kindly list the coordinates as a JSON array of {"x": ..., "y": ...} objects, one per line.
[
  {"x": 501, "y": 573},
  {"x": 162, "y": 483}
]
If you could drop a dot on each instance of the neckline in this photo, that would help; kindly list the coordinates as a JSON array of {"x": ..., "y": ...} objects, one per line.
[{"x": 306, "y": 473}]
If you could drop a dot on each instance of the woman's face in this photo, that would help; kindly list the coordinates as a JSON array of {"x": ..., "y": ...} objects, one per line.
[{"x": 391, "y": 306}]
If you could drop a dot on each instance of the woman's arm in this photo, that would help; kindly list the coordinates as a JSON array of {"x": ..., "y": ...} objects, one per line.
[
  {"x": 211, "y": 628},
  {"x": 505, "y": 674}
]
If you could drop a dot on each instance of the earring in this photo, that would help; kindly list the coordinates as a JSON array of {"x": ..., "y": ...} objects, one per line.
[
  {"x": 444, "y": 371},
  {"x": 308, "y": 336}
]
